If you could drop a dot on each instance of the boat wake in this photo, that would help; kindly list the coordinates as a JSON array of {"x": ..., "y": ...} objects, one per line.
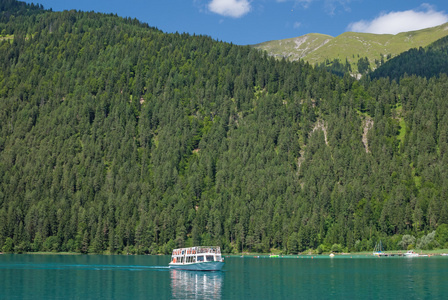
[{"x": 83, "y": 267}]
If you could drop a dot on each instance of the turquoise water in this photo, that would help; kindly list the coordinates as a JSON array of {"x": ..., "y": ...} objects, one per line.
[{"x": 147, "y": 277}]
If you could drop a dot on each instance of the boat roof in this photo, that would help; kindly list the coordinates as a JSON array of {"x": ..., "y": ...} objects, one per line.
[
  {"x": 198, "y": 247},
  {"x": 197, "y": 250}
]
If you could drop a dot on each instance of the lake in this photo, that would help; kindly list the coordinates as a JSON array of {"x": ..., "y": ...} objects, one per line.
[{"x": 147, "y": 277}]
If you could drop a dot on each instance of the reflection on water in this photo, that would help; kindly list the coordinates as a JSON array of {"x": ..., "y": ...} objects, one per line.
[{"x": 196, "y": 285}]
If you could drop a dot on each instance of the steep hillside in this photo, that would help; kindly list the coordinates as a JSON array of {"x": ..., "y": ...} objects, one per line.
[
  {"x": 295, "y": 48},
  {"x": 352, "y": 46},
  {"x": 426, "y": 62},
  {"x": 118, "y": 138}
]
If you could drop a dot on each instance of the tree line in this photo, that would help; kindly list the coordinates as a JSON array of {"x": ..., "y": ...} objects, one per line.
[{"x": 119, "y": 138}]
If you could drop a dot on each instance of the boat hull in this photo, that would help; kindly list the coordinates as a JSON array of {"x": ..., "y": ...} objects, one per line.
[{"x": 203, "y": 266}]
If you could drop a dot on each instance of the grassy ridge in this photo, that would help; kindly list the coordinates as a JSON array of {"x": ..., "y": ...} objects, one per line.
[
  {"x": 295, "y": 48},
  {"x": 316, "y": 48}
]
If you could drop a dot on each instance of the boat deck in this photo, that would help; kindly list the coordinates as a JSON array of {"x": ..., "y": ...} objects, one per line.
[{"x": 198, "y": 258}]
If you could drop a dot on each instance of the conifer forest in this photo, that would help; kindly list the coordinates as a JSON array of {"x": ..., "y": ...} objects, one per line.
[{"x": 116, "y": 137}]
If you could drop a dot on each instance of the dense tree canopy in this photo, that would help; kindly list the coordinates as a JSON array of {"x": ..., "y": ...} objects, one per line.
[{"x": 116, "y": 137}]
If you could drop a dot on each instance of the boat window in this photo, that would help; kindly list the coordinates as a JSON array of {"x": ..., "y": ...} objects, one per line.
[
  {"x": 209, "y": 257},
  {"x": 200, "y": 258}
]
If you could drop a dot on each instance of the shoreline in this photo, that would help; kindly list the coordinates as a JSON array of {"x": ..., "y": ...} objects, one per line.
[{"x": 437, "y": 252}]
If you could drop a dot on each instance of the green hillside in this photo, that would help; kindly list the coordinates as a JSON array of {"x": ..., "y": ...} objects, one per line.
[
  {"x": 118, "y": 138},
  {"x": 425, "y": 62},
  {"x": 351, "y": 46},
  {"x": 295, "y": 48}
]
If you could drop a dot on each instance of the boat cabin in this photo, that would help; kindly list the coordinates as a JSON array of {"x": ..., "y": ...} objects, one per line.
[{"x": 196, "y": 255}]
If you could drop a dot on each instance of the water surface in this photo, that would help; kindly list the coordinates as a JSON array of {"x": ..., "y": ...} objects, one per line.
[{"x": 148, "y": 277}]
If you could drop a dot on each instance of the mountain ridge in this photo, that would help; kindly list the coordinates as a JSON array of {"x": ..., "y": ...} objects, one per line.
[
  {"x": 352, "y": 45},
  {"x": 424, "y": 62}
]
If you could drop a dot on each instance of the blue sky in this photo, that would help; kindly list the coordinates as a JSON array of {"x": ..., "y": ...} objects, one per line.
[{"x": 245, "y": 22}]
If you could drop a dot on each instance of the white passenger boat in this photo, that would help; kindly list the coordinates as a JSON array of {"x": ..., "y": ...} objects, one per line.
[{"x": 197, "y": 259}]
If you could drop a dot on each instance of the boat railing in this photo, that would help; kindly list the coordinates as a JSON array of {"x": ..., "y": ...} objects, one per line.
[
  {"x": 197, "y": 250},
  {"x": 216, "y": 250}
]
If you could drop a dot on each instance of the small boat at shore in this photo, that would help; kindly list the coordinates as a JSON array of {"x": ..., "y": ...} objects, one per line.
[
  {"x": 379, "y": 251},
  {"x": 198, "y": 258},
  {"x": 411, "y": 253}
]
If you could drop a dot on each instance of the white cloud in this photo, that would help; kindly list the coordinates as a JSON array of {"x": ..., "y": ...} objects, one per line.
[
  {"x": 230, "y": 8},
  {"x": 304, "y": 3},
  {"x": 331, "y": 5},
  {"x": 401, "y": 21},
  {"x": 297, "y": 25}
]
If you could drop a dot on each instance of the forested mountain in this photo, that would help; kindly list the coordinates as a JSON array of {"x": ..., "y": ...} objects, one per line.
[
  {"x": 424, "y": 62},
  {"x": 118, "y": 138},
  {"x": 352, "y": 46}
]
